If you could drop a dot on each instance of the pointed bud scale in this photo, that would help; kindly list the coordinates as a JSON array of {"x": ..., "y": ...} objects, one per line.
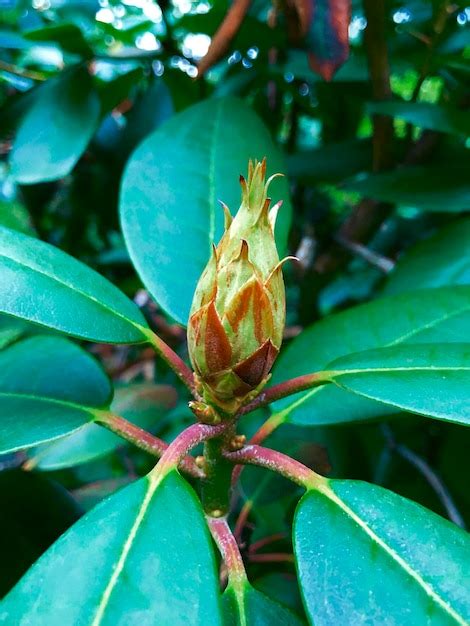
[{"x": 238, "y": 311}]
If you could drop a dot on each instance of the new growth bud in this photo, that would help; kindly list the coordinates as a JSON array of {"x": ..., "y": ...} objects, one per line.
[{"x": 238, "y": 311}]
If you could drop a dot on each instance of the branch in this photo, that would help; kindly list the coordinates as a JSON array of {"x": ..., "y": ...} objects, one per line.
[
  {"x": 272, "y": 557},
  {"x": 444, "y": 11},
  {"x": 368, "y": 214},
  {"x": 379, "y": 69},
  {"x": 224, "y": 35},
  {"x": 144, "y": 440},
  {"x": 429, "y": 474},
  {"x": 286, "y": 388},
  {"x": 277, "y": 462},
  {"x": 19, "y": 71}
]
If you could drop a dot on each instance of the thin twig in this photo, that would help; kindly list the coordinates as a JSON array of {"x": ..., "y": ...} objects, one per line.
[
  {"x": 242, "y": 516},
  {"x": 19, "y": 71},
  {"x": 265, "y": 541},
  {"x": 377, "y": 260},
  {"x": 272, "y": 557},
  {"x": 368, "y": 214},
  {"x": 428, "y": 473},
  {"x": 224, "y": 35}
]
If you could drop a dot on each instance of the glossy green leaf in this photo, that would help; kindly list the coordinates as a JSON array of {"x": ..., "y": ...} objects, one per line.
[
  {"x": 171, "y": 188},
  {"x": 443, "y": 259},
  {"x": 367, "y": 556},
  {"x": 49, "y": 387},
  {"x": 444, "y": 188},
  {"x": 151, "y": 108},
  {"x": 428, "y": 316},
  {"x": 143, "y": 404},
  {"x": 143, "y": 556},
  {"x": 429, "y": 379},
  {"x": 56, "y": 130},
  {"x": 42, "y": 284},
  {"x": 425, "y": 115},
  {"x": 10, "y": 330},
  {"x": 246, "y": 606}
]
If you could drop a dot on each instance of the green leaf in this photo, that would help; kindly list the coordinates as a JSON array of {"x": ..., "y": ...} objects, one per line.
[
  {"x": 151, "y": 108},
  {"x": 15, "y": 215},
  {"x": 68, "y": 36},
  {"x": 444, "y": 188},
  {"x": 171, "y": 188},
  {"x": 331, "y": 162},
  {"x": 367, "y": 556},
  {"x": 49, "y": 387},
  {"x": 11, "y": 330},
  {"x": 428, "y": 316},
  {"x": 143, "y": 556},
  {"x": 143, "y": 404},
  {"x": 42, "y": 284},
  {"x": 429, "y": 379},
  {"x": 436, "y": 117},
  {"x": 443, "y": 259},
  {"x": 246, "y": 606},
  {"x": 56, "y": 130}
]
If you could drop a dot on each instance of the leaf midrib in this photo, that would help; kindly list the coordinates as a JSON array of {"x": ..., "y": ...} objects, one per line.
[
  {"x": 291, "y": 407},
  {"x": 17, "y": 395},
  {"x": 126, "y": 548},
  {"x": 60, "y": 282},
  {"x": 327, "y": 491}
]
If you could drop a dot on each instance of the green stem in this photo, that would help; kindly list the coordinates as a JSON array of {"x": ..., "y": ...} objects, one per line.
[{"x": 216, "y": 486}]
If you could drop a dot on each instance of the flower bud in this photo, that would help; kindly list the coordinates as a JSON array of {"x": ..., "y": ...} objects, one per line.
[{"x": 238, "y": 311}]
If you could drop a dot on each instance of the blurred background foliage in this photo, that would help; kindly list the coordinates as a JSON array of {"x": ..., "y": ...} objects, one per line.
[{"x": 378, "y": 167}]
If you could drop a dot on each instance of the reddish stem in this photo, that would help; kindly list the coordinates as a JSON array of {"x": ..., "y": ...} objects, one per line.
[
  {"x": 277, "y": 462},
  {"x": 144, "y": 440},
  {"x": 261, "y": 543},
  {"x": 186, "y": 441},
  {"x": 174, "y": 361},
  {"x": 260, "y": 435},
  {"x": 243, "y": 515},
  {"x": 287, "y": 388},
  {"x": 273, "y": 557},
  {"x": 228, "y": 548}
]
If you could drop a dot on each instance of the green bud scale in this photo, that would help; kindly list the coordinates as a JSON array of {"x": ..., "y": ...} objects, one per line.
[{"x": 238, "y": 312}]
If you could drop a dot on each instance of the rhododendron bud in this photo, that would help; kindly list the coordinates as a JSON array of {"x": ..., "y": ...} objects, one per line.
[{"x": 238, "y": 311}]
